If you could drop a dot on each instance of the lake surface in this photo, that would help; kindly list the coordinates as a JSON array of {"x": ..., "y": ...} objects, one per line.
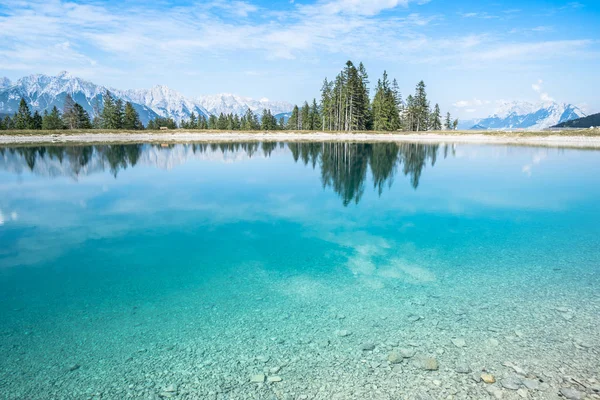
[{"x": 299, "y": 271}]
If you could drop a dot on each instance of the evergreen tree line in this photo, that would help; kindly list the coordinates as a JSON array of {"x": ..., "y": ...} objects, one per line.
[
  {"x": 346, "y": 106},
  {"x": 110, "y": 113},
  {"x": 231, "y": 122}
]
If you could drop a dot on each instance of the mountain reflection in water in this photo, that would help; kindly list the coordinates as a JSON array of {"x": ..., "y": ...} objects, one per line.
[{"x": 344, "y": 166}]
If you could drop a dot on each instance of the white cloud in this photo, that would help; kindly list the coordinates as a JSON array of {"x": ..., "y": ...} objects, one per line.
[
  {"x": 89, "y": 39},
  {"x": 537, "y": 87},
  {"x": 470, "y": 103},
  {"x": 354, "y": 7}
]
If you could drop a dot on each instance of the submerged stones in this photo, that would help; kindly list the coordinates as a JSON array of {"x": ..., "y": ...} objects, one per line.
[
  {"x": 395, "y": 357},
  {"x": 258, "y": 378},
  {"x": 572, "y": 394},
  {"x": 488, "y": 378},
  {"x": 275, "y": 370},
  {"x": 274, "y": 378},
  {"x": 463, "y": 368},
  {"x": 426, "y": 363},
  {"x": 169, "y": 391},
  {"x": 531, "y": 384},
  {"x": 459, "y": 342},
  {"x": 406, "y": 353},
  {"x": 414, "y": 317},
  {"x": 511, "y": 382},
  {"x": 74, "y": 367},
  {"x": 367, "y": 346}
]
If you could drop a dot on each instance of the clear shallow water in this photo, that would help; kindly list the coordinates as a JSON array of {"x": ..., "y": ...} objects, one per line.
[{"x": 151, "y": 272}]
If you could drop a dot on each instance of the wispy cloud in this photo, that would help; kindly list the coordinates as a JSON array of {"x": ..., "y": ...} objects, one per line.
[
  {"x": 482, "y": 15},
  {"x": 537, "y": 87},
  {"x": 113, "y": 40}
]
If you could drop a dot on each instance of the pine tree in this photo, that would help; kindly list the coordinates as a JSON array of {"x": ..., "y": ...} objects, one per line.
[
  {"x": 293, "y": 121},
  {"x": 202, "y": 122},
  {"x": 255, "y": 122},
  {"x": 410, "y": 113},
  {"x": 82, "y": 117},
  {"x": 212, "y": 122},
  {"x": 109, "y": 113},
  {"x": 281, "y": 125},
  {"x": 421, "y": 108},
  {"x": 119, "y": 114},
  {"x": 52, "y": 120},
  {"x": 363, "y": 102},
  {"x": 436, "y": 118},
  {"x": 315, "y": 116},
  {"x": 97, "y": 114},
  {"x": 266, "y": 122},
  {"x": 193, "y": 121},
  {"x": 327, "y": 107},
  {"x": 222, "y": 122},
  {"x": 69, "y": 115},
  {"x": 131, "y": 118},
  {"x": 36, "y": 121},
  {"x": 448, "y": 122},
  {"x": 386, "y": 115},
  {"x": 9, "y": 123},
  {"x": 23, "y": 116},
  {"x": 396, "y": 121},
  {"x": 304, "y": 119},
  {"x": 455, "y": 124}
]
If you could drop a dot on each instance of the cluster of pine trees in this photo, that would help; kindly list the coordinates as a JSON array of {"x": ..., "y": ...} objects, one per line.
[
  {"x": 110, "y": 113},
  {"x": 346, "y": 105},
  {"x": 73, "y": 117},
  {"x": 114, "y": 114}
]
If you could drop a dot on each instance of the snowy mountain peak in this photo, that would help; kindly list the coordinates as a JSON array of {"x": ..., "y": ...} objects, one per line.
[
  {"x": 5, "y": 82},
  {"x": 228, "y": 103},
  {"x": 43, "y": 92},
  {"x": 526, "y": 115}
]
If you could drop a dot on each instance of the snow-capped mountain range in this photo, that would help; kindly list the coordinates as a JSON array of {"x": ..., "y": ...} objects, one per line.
[
  {"x": 525, "y": 115},
  {"x": 229, "y": 103},
  {"x": 42, "y": 92}
]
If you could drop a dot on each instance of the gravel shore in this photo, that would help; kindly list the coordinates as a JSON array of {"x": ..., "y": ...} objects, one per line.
[{"x": 182, "y": 136}]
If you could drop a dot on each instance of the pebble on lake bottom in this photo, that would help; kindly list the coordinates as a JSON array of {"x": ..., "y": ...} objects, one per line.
[
  {"x": 258, "y": 378},
  {"x": 488, "y": 378}
]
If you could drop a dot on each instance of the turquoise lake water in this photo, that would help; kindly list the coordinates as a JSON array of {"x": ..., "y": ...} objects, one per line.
[{"x": 299, "y": 271}]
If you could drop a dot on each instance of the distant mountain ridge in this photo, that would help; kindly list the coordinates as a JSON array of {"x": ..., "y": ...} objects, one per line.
[
  {"x": 585, "y": 122},
  {"x": 525, "y": 115},
  {"x": 42, "y": 92}
]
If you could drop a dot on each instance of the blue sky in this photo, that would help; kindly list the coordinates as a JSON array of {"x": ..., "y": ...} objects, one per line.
[{"x": 472, "y": 55}]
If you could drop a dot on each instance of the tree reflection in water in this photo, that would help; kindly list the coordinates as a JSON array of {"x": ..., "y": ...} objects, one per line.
[{"x": 344, "y": 166}]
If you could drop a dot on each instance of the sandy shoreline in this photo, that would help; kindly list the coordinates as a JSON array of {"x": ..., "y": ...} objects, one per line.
[{"x": 183, "y": 137}]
